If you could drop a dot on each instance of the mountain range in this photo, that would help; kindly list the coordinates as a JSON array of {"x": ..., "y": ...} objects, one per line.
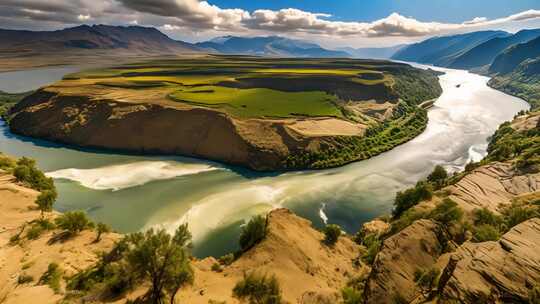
[
  {"x": 274, "y": 46},
  {"x": 442, "y": 51},
  {"x": 101, "y": 37}
]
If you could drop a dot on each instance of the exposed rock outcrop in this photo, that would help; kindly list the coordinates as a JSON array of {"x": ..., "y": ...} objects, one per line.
[
  {"x": 307, "y": 269},
  {"x": 492, "y": 186},
  {"x": 498, "y": 272},
  {"x": 416, "y": 247}
]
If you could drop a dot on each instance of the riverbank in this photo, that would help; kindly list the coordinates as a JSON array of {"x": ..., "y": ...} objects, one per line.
[
  {"x": 440, "y": 248},
  {"x": 347, "y": 110}
]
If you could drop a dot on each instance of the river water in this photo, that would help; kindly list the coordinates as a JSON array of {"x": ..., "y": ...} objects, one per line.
[{"x": 137, "y": 192}]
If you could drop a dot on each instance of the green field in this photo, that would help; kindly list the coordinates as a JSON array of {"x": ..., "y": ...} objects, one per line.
[
  {"x": 261, "y": 102},
  {"x": 245, "y": 86}
]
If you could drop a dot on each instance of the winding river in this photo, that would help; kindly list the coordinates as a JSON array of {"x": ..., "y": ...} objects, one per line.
[{"x": 137, "y": 192}]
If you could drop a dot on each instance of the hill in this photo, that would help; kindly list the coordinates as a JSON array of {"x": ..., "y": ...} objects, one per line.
[
  {"x": 90, "y": 45},
  {"x": 511, "y": 58},
  {"x": 268, "y": 46},
  {"x": 373, "y": 53},
  {"x": 262, "y": 113},
  {"x": 442, "y": 51},
  {"x": 485, "y": 53},
  {"x": 516, "y": 71},
  {"x": 95, "y": 37}
]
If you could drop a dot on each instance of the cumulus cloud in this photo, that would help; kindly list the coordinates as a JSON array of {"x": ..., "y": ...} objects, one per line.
[{"x": 197, "y": 16}]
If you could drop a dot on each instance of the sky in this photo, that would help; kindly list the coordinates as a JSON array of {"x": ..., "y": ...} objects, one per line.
[{"x": 357, "y": 23}]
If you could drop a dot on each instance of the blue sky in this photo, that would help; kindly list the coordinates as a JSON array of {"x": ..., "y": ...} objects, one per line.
[
  {"x": 358, "y": 23},
  {"x": 424, "y": 10}
]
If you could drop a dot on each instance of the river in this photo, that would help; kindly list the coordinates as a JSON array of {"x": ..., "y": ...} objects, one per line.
[{"x": 137, "y": 192}]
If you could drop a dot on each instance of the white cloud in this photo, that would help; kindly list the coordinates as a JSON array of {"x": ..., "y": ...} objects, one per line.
[
  {"x": 82, "y": 17},
  {"x": 200, "y": 18}
]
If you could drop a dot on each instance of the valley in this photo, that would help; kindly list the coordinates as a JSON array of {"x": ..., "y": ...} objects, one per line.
[{"x": 219, "y": 154}]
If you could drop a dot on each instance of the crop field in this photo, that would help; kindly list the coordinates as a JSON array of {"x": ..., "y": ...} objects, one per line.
[{"x": 246, "y": 87}]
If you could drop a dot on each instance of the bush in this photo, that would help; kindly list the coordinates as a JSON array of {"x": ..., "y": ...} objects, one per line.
[
  {"x": 24, "y": 279},
  {"x": 216, "y": 267},
  {"x": 162, "y": 259},
  {"x": 253, "y": 232},
  {"x": 52, "y": 277},
  {"x": 100, "y": 229},
  {"x": 351, "y": 296},
  {"x": 45, "y": 200},
  {"x": 516, "y": 214},
  {"x": 426, "y": 279},
  {"x": 534, "y": 295},
  {"x": 438, "y": 177},
  {"x": 258, "y": 289},
  {"x": 410, "y": 197},
  {"x": 38, "y": 227},
  {"x": 73, "y": 222},
  {"x": 331, "y": 234},
  {"x": 373, "y": 245},
  {"x": 26, "y": 172},
  {"x": 226, "y": 259},
  {"x": 447, "y": 212},
  {"x": 485, "y": 216},
  {"x": 485, "y": 232}
]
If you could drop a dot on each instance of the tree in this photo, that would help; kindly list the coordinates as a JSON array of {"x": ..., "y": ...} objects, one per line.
[
  {"x": 331, "y": 234},
  {"x": 438, "y": 177},
  {"x": 258, "y": 289},
  {"x": 100, "y": 229},
  {"x": 73, "y": 222},
  {"x": 161, "y": 258},
  {"x": 45, "y": 200},
  {"x": 410, "y": 197},
  {"x": 253, "y": 232}
]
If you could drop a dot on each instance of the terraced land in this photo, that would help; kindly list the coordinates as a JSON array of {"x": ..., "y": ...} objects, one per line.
[{"x": 263, "y": 113}]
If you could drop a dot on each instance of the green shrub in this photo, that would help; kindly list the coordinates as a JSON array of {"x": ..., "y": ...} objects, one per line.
[
  {"x": 351, "y": 295},
  {"x": 45, "y": 200},
  {"x": 26, "y": 172},
  {"x": 226, "y": 259},
  {"x": 485, "y": 232},
  {"x": 331, "y": 234},
  {"x": 426, "y": 279},
  {"x": 485, "y": 216},
  {"x": 447, "y": 212},
  {"x": 438, "y": 177},
  {"x": 6, "y": 163},
  {"x": 258, "y": 289},
  {"x": 534, "y": 295},
  {"x": 373, "y": 245},
  {"x": 38, "y": 227},
  {"x": 516, "y": 214},
  {"x": 24, "y": 279},
  {"x": 100, "y": 229},
  {"x": 216, "y": 267},
  {"x": 52, "y": 277},
  {"x": 410, "y": 197},
  {"x": 253, "y": 232},
  {"x": 73, "y": 222}
]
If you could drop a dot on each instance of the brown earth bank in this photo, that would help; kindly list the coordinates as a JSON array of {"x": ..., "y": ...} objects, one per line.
[{"x": 87, "y": 113}]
